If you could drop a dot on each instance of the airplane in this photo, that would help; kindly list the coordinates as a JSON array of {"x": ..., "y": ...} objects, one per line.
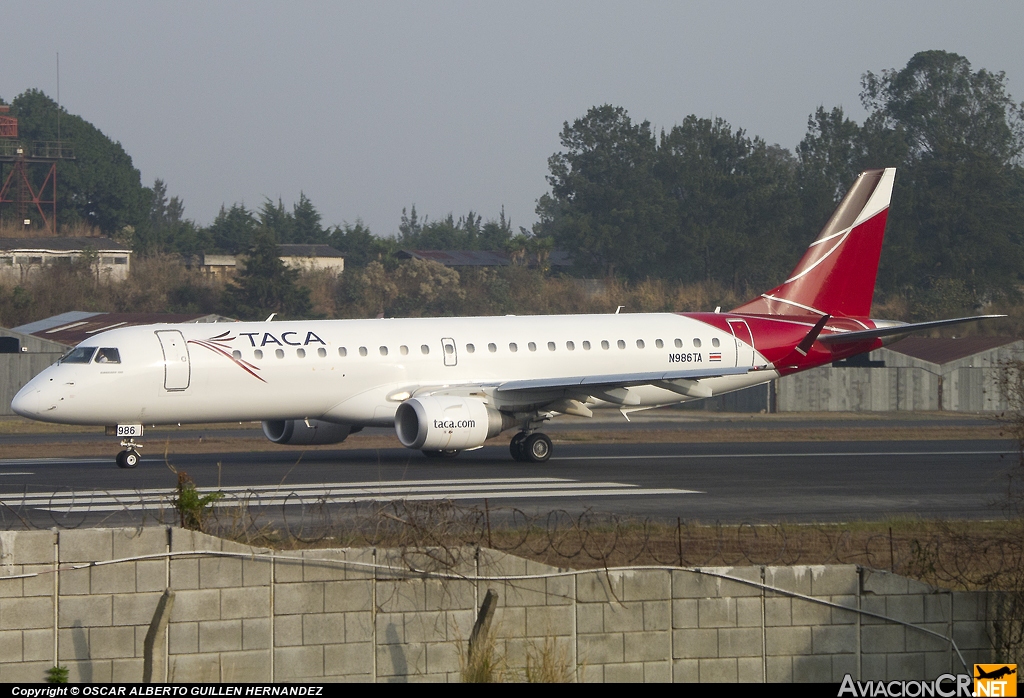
[
  {"x": 447, "y": 385},
  {"x": 999, "y": 673}
]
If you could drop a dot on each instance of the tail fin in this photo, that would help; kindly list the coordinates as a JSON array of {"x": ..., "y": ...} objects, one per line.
[{"x": 836, "y": 276}]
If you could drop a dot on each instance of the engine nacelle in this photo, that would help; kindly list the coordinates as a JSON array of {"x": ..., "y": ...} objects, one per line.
[
  {"x": 295, "y": 431},
  {"x": 447, "y": 423}
]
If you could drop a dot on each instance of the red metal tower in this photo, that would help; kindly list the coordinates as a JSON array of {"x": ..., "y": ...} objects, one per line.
[{"x": 17, "y": 188}]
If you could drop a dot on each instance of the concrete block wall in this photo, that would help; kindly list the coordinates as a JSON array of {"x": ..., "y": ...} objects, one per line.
[{"x": 317, "y": 615}]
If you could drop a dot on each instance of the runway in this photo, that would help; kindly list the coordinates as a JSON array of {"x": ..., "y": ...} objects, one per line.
[{"x": 707, "y": 482}]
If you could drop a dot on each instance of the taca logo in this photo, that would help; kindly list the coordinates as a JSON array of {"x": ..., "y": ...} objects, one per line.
[{"x": 268, "y": 338}]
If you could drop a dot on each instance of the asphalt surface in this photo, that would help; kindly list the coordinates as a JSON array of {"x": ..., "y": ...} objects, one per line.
[{"x": 706, "y": 482}]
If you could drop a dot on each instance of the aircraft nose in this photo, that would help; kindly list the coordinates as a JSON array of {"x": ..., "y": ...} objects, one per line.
[{"x": 29, "y": 402}]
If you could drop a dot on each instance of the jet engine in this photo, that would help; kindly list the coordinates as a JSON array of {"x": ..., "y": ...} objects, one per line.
[
  {"x": 304, "y": 432},
  {"x": 447, "y": 423}
]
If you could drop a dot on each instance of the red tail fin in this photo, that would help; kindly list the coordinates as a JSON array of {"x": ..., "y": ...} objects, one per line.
[{"x": 836, "y": 276}]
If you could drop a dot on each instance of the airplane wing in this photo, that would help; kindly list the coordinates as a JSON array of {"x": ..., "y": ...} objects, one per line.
[
  {"x": 561, "y": 394},
  {"x": 894, "y": 330},
  {"x": 621, "y": 380}
]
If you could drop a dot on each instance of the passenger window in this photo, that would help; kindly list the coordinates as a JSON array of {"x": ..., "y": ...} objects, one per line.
[
  {"x": 404, "y": 350},
  {"x": 342, "y": 351},
  {"x": 424, "y": 349},
  {"x": 300, "y": 352},
  {"x": 79, "y": 355},
  {"x": 551, "y": 346},
  {"x": 108, "y": 355},
  {"x": 383, "y": 351},
  {"x": 362, "y": 351},
  {"x": 658, "y": 343},
  {"x": 586, "y": 346},
  {"x": 322, "y": 353},
  {"x": 640, "y": 344},
  {"x": 492, "y": 347},
  {"x": 470, "y": 348},
  {"x": 604, "y": 344},
  {"x": 513, "y": 347},
  {"x": 679, "y": 343},
  {"x": 236, "y": 355},
  {"x": 715, "y": 342},
  {"x": 570, "y": 346},
  {"x": 279, "y": 353},
  {"x": 532, "y": 346},
  {"x": 621, "y": 344},
  {"x": 696, "y": 343},
  {"x": 258, "y": 354}
]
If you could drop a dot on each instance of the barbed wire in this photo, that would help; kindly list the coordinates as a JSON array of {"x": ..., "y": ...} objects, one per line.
[{"x": 951, "y": 554}]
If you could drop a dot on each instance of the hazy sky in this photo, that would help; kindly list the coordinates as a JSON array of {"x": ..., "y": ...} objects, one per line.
[{"x": 369, "y": 107}]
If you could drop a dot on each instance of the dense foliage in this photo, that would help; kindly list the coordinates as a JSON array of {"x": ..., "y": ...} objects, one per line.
[{"x": 704, "y": 201}]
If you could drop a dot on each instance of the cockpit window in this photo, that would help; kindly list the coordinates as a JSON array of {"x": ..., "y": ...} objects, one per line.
[
  {"x": 108, "y": 355},
  {"x": 79, "y": 355}
]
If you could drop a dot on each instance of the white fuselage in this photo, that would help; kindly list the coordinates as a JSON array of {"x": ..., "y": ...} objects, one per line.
[{"x": 359, "y": 371}]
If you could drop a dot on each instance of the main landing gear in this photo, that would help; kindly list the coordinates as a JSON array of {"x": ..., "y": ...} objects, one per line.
[
  {"x": 530, "y": 447},
  {"x": 129, "y": 457}
]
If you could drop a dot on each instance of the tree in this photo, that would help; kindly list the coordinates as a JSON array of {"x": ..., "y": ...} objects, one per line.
[
  {"x": 606, "y": 204},
  {"x": 359, "y": 245},
  {"x": 167, "y": 229},
  {"x": 276, "y": 221},
  {"x": 961, "y": 187},
  {"x": 101, "y": 186},
  {"x": 306, "y": 228},
  {"x": 732, "y": 207},
  {"x": 945, "y": 110},
  {"x": 234, "y": 230},
  {"x": 265, "y": 285}
]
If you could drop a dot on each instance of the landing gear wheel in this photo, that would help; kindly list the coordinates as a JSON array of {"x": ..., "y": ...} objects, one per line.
[
  {"x": 128, "y": 459},
  {"x": 537, "y": 448},
  {"x": 515, "y": 446},
  {"x": 441, "y": 454}
]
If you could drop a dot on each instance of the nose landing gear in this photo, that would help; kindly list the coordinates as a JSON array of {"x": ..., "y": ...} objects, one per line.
[
  {"x": 129, "y": 457},
  {"x": 530, "y": 447}
]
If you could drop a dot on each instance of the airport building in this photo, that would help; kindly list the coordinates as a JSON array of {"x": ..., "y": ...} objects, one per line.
[
  {"x": 916, "y": 373},
  {"x": 21, "y": 258},
  {"x": 302, "y": 257}
]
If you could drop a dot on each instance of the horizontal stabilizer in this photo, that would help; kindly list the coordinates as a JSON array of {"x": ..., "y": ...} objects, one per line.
[{"x": 896, "y": 330}]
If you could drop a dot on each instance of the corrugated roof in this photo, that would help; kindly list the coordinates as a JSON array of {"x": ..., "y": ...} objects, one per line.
[
  {"x": 308, "y": 251},
  {"x": 54, "y": 321},
  {"x": 941, "y": 350},
  {"x": 74, "y": 331},
  {"x": 100, "y": 244}
]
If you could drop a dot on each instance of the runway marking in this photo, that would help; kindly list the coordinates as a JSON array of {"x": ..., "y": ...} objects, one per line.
[
  {"x": 833, "y": 454},
  {"x": 8, "y": 474},
  {"x": 53, "y": 461},
  {"x": 336, "y": 493}
]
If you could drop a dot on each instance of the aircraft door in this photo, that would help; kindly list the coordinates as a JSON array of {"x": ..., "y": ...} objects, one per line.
[
  {"x": 177, "y": 368},
  {"x": 744, "y": 342},
  {"x": 451, "y": 357}
]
